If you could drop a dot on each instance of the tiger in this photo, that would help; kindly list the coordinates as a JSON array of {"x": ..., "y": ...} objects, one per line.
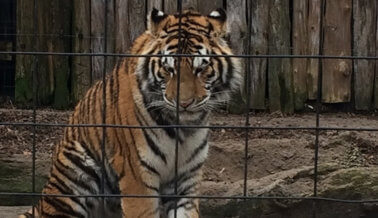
[{"x": 143, "y": 91}]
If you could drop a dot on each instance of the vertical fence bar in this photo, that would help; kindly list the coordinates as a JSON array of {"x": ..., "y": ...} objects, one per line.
[
  {"x": 103, "y": 153},
  {"x": 34, "y": 85},
  {"x": 179, "y": 9},
  {"x": 248, "y": 93},
  {"x": 318, "y": 106}
]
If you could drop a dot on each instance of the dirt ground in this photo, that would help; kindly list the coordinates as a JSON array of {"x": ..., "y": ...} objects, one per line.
[{"x": 269, "y": 151}]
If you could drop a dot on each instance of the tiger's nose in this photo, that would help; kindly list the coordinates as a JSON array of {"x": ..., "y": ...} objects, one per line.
[{"x": 186, "y": 103}]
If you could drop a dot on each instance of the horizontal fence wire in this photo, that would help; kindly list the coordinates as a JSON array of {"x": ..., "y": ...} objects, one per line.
[
  {"x": 191, "y": 55},
  {"x": 367, "y": 129},
  {"x": 240, "y": 197}
]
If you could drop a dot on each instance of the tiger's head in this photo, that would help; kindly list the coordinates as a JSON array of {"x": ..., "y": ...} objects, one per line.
[{"x": 205, "y": 82}]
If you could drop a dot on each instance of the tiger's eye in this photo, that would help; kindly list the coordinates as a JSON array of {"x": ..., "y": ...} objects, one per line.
[
  {"x": 198, "y": 70},
  {"x": 169, "y": 69}
]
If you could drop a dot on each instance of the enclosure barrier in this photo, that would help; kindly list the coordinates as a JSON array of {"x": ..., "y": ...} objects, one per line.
[{"x": 247, "y": 127}]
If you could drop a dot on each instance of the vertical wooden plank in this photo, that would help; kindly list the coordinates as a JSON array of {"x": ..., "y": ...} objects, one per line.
[
  {"x": 299, "y": 39},
  {"x": 280, "y": 70},
  {"x": 110, "y": 46},
  {"x": 259, "y": 43},
  {"x": 337, "y": 41},
  {"x": 60, "y": 69},
  {"x": 81, "y": 43},
  {"x": 364, "y": 17},
  {"x": 313, "y": 30},
  {"x": 45, "y": 77},
  {"x": 24, "y": 63},
  {"x": 158, "y": 4},
  {"x": 238, "y": 33},
  {"x": 376, "y": 70},
  {"x": 206, "y": 7},
  {"x": 97, "y": 37},
  {"x": 127, "y": 30},
  {"x": 170, "y": 6}
]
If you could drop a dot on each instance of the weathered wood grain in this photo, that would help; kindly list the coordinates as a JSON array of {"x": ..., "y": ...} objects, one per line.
[
  {"x": 130, "y": 17},
  {"x": 364, "y": 27},
  {"x": 280, "y": 70},
  {"x": 158, "y": 4},
  {"x": 206, "y": 7},
  {"x": 300, "y": 47},
  {"x": 24, "y": 63},
  {"x": 97, "y": 38},
  {"x": 81, "y": 43},
  {"x": 238, "y": 33},
  {"x": 313, "y": 31},
  {"x": 259, "y": 46},
  {"x": 60, "y": 69},
  {"x": 170, "y": 6},
  {"x": 337, "y": 74}
]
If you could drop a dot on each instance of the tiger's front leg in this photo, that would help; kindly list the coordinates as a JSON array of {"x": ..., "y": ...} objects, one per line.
[
  {"x": 184, "y": 207},
  {"x": 143, "y": 207}
]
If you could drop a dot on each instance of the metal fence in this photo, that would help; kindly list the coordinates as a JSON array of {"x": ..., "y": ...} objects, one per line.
[{"x": 317, "y": 128}]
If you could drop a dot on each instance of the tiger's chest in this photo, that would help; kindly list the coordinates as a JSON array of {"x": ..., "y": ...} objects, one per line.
[{"x": 192, "y": 150}]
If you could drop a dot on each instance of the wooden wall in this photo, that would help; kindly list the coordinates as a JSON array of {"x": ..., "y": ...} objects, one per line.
[{"x": 278, "y": 27}]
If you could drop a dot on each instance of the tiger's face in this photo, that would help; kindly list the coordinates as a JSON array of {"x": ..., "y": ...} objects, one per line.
[{"x": 204, "y": 82}]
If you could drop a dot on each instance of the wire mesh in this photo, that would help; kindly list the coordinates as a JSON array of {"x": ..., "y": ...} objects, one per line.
[{"x": 247, "y": 127}]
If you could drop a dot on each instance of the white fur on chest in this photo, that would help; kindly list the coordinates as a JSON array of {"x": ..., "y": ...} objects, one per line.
[{"x": 185, "y": 150}]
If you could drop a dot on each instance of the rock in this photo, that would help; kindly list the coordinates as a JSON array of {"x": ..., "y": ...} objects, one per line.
[
  {"x": 353, "y": 184},
  {"x": 16, "y": 176}
]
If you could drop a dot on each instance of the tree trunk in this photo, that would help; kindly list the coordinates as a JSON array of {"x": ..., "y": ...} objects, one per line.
[
  {"x": 299, "y": 39},
  {"x": 364, "y": 45},
  {"x": 81, "y": 43},
  {"x": 280, "y": 70},
  {"x": 313, "y": 30},
  {"x": 259, "y": 46},
  {"x": 337, "y": 74}
]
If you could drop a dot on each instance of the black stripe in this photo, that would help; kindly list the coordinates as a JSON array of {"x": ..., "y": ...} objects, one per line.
[
  {"x": 149, "y": 167},
  {"x": 197, "y": 150},
  {"x": 154, "y": 147},
  {"x": 151, "y": 187},
  {"x": 62, "y": 206},
  {"x": 61, "y": 168},
  {"x": 79, "y": 163},
  {"x": 63, "y": 189}
]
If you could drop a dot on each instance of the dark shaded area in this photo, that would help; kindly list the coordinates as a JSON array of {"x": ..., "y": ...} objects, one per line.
[{"x": 7, "y": 43}]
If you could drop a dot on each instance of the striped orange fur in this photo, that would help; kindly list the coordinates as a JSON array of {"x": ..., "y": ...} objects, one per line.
[{"x": 143, "y": 92}]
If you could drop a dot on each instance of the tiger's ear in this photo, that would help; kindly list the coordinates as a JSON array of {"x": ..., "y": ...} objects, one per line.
[
  {"x": 154, "y": 19},
  {"x": 218, "y": 18}
]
